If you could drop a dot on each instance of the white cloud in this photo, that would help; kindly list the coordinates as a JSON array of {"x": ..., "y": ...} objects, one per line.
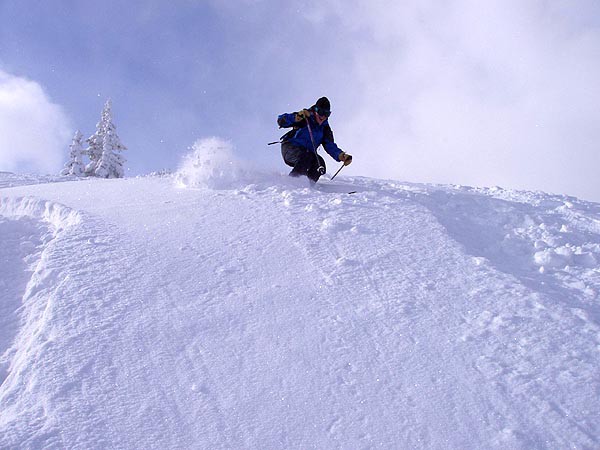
[
  {"x": 34, "y": 132},
  {"x": 497, "y": 92}
]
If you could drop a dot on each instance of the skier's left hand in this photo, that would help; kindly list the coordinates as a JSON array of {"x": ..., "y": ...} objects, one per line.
[{"x": 345, "y": 158}]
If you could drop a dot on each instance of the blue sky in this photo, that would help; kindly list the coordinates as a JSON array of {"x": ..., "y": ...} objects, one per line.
[{"x": 478, "y": 93}]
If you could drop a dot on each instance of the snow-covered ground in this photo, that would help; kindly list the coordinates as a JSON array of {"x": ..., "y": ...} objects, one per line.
[{"x": 199, "y": 311}]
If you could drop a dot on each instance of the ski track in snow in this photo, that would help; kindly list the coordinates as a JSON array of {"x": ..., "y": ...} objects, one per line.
[{"x": 139, "y": 315}]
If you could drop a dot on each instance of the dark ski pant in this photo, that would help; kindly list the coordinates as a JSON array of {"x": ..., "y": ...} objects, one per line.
[{"x": 303, "y": 161}]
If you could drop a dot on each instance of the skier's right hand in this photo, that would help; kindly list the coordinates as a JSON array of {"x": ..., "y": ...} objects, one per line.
[{"x": 304, "y": 114}]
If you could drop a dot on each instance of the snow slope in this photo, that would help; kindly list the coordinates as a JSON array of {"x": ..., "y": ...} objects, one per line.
[{"x": 188, "y": 313}]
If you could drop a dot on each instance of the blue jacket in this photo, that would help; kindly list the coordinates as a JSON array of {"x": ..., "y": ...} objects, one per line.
[{"x": 300, "y": 135}]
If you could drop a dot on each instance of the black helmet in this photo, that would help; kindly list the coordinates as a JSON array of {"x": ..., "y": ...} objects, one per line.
[{"x": 323, "y": 107}]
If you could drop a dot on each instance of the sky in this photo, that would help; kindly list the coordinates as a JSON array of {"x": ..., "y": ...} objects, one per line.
[{"x": 480, "y": 93}]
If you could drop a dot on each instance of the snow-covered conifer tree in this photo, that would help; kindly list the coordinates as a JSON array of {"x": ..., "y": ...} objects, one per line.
[
  {"x": 111, "y": 164},
  {"x": 75, "y": 164},
  {"x": 105, "y": 148},
  {"x": 94, "y": 149}
]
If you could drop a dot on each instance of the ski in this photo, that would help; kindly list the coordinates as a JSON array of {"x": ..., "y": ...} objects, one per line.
[{"x": 334, "y": 188}]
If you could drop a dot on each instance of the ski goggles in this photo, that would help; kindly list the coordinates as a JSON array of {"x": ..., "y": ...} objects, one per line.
[{"x": 322, "y": 112}]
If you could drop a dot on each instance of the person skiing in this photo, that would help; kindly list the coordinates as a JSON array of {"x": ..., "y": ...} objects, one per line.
[{"x": 310, "y": 129}]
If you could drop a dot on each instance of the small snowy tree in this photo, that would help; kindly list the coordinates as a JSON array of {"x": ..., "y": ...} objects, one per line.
[
  {"x": 94, "y": 149},
  {"x": 105, "y": 147},
  {"x": 75, "y": 164}
]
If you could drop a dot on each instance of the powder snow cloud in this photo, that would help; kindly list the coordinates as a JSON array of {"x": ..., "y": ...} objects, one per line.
[{"x": 34, "y": 132}]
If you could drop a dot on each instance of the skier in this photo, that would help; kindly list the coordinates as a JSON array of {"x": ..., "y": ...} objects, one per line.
[{"x": 310, "y": 129}]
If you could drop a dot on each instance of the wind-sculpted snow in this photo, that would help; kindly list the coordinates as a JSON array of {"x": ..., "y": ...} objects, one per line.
[
  {"x": 550, "y": 243},
  {"x": 22, "y": 240},
  {"x": 33, "y": 233},
  {"x": 248, "y": 310}
]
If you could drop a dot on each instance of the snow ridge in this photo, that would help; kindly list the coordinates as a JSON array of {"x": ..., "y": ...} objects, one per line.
[
  {"x": 60, "y": 242},
  {"x": 58, "y": 216}
]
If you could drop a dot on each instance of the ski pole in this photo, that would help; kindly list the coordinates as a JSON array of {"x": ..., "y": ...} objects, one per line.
[
  {"x": 343, "y": 165},
  {"x": 274, "y": 142},
  {"x": 321, "y": 169}
]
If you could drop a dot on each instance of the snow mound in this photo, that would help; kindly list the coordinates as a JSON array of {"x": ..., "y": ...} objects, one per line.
[{"x": 212, "y": 164}]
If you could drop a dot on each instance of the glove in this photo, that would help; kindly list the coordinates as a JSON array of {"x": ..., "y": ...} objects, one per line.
[
  {"x": 345, "y": 158},
  {"x": 304, "y": 114}
]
